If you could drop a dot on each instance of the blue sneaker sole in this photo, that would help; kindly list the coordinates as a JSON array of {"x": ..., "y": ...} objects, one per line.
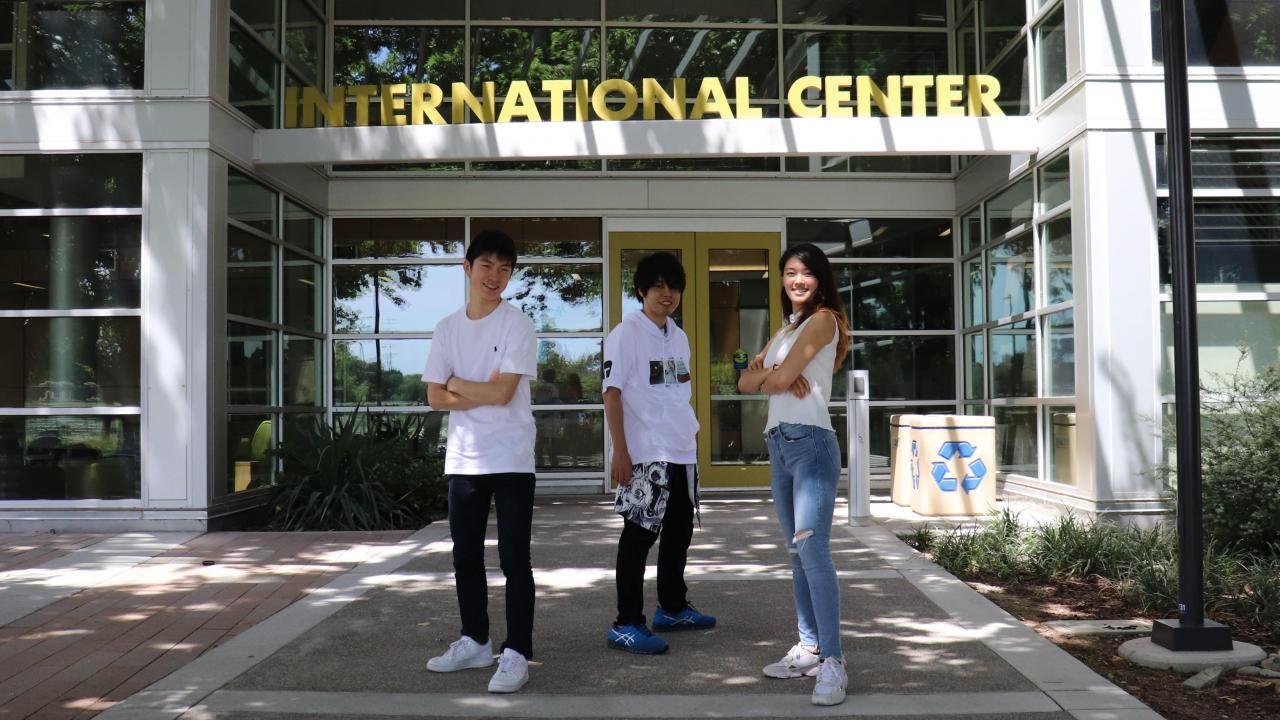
[{"x": 623, "y": 646}]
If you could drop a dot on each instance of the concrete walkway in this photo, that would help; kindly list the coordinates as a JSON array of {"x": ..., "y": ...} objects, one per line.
[{"x": 919, "y": 643}]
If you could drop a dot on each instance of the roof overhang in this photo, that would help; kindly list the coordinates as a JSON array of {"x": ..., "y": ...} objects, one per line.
[{"x": 648, "y": 139}]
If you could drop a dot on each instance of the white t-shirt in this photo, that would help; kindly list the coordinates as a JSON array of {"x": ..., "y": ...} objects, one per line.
[
  {"x": 490, "y": 438},
  {"x": 650, "y": 367}
]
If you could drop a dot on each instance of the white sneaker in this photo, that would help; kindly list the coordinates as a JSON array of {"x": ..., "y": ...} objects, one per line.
[
  {"x": 832, "y": 679},
  {"x": 512, "y": 674},
  {"x": 463, "y": 654},
  {"x": 798, "y": 662}
]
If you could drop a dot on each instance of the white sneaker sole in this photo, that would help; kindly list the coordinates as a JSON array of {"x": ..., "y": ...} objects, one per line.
[
  {"x": 832, "y": 699},
  {"x": 787, "y": 673},
  {"x": 503, "y": 688},
  {"x": 433, "y": 666}
]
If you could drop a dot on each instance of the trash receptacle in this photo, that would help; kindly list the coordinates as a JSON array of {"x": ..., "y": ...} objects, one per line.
[
  {"x": 957, "y": 462},
  {"x": 1064, "y": 448},
  {"x": 900, "y": 466}
]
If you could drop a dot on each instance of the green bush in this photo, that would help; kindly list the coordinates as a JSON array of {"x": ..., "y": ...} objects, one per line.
[
  {"x": 366, "y": 471},
  {"x": 1240, "y": 431}
]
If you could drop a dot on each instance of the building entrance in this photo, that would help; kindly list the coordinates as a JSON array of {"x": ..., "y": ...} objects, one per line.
[{"x": 730, "y": 304}]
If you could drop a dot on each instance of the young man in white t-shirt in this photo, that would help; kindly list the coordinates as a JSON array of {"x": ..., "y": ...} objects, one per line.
[
  {"x": 647, "y": 389},
  {"x": 481, "y": 360}
]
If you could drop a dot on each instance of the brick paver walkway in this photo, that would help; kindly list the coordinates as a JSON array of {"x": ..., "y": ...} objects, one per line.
[{"x": 80, "y": 655}]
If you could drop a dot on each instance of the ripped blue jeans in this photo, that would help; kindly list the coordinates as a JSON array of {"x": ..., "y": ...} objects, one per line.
[{"x": 805, "y": 465}]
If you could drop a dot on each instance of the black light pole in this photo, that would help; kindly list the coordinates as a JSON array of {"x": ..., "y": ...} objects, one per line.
[{"x": 1191, "y": 631}]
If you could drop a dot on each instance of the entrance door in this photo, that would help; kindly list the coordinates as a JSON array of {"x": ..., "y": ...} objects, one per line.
[{"x": 730, "y": 303}]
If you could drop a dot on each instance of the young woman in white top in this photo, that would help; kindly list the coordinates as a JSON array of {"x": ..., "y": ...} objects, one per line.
[{"x": 795, "y": 371}]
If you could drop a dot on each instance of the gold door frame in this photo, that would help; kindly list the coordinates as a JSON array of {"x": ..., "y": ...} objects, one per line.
[{"x": 695, "y": 248}]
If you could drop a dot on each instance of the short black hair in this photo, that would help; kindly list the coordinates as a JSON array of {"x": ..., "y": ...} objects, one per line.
[
  {"x": 660, "y": 266},
  {"x": 492, "y": 242}
]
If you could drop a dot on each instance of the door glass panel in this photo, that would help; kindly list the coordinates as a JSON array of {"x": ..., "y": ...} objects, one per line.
[
  {"x": 631, "y": 257},
  {"x": 738, "y": 305}
]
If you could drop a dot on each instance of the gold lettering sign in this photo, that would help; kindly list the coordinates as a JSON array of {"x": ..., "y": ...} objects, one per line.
[{"x": 618, "y": 99}]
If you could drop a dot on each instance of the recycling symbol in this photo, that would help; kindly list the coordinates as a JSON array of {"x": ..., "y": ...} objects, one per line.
[
  {"x": 957, "y": 454},
  {"x": 915, "y": 465}
]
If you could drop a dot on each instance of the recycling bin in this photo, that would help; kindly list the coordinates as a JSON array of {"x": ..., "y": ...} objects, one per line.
[
  {"x": 956, "y": 461},
  {"x": 900, "y": 459},
  {"x": 1064, "y": 447}
]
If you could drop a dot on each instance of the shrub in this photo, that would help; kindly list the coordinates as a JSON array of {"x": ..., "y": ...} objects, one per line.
[
  {"x": 366, "y": 471},
  {"x": 1240, "y": 431}
]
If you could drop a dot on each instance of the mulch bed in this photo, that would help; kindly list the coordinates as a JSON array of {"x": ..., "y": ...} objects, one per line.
[{"x": 1234, "y": 698}]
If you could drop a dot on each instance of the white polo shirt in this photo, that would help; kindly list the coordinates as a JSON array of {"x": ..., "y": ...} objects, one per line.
[
  {"x": 488, "y": 439},
  {"x": 650, "y": 366}
]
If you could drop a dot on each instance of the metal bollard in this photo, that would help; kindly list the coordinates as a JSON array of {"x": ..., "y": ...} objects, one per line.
[{"x": 859, "y": 444}]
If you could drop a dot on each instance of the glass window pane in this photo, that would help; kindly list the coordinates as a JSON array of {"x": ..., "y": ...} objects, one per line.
[
  {"x": 569, "y": 440},
  {"x": 1056, "y": 239},
  {"x": 379, "y": 372},
  {"x": 907, "y": 368},
  {"x": 395, "y": 298},
  {"x": 1055, "y": 182},
  {"x": 303, "y": 377},
  {"x": 568, "y": 372},
  {"x": 253, "y": 79},
  {"x": 70, "y": 362},
  {"x": 874, "y": 237},
  {"x": 1060, "y": 420},
  {"x": 70, "y": 262},
  {"x": 302, "y": 290},
  {"x": 74, "y": 45},
  {"x": 521, "y": 10},
  {"x": 1226, "y": 33},
  {"x": 250, "y": 439},
  {"x": 704, "y": 11},
  {"x": 1011, "y": 267},
  {"x": 304, "y": 39},
  {"x": 967, "y": 46},
  {"x": 1236, "y": 338},
  {"x": 397, "y": 237},
  {"x": 973, "y": 293},
  {"x": 705, "y": 165},
  {"x": 666, "y": 53},
  {"x": 1002, "y": 20},
  {"x": 538, "y": 165},
  {"x": 303, "y": 228},
  {"x": 971, "y": 231},
  {"x": 388, "y": 54},
  {"x": 871, "y": 164},
  {"x": 975, "y": 368},
  {"x": 504, "y": 54},
  {"x": 1013, "y": 360},
  {"x": 1017, "y": 443},
  {"x": 251, "y": 203},
  {"x": 926, "y": 13},
  {"x": 250, "y": 365},
  {"x": 566, "y": 298},
  {"x": 251, "y": 276},
  {"x": 1015, "y": 81},
  {"x": 1051, "y": 46},
  {"x": 1061, "y": 361},
  {"x": 898, "y": 297},
  {"x": 70, "y": 457},
  {"x": 878, "y": 54},
  {"x": 70, "y": 181},
  {"x": 398, "y": 10},
  {"x": 261, "y": 17},
  {"x": 547, "y": 237},
  {"x": 1009, "y": 209},
  {"x": 738, "y": 307},
  {"x": 1237, "y": 245},
  {"x": 1218, "y": 161},
  {"x": 737, "y": 431}
]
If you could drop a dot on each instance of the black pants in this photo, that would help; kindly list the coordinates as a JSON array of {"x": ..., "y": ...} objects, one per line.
[
  {"x": 469, "y": 498},
  {"x": 633, "y": 552}
]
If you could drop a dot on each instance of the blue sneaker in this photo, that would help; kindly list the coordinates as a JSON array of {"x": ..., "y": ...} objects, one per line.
[
  {"x": 637, "y": 639},
  {"x": 687, "y": 619}
]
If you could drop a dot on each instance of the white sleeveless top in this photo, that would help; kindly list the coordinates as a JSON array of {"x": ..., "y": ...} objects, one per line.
[{"x": 812, "y": 410}]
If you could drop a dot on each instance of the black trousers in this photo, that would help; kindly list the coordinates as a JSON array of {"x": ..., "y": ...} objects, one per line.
[
  {"x": 469, "y": 499},
  {"x": 673, "y": 553}
]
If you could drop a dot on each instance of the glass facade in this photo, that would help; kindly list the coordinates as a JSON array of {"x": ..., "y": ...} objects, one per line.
[
  {"x": 1226, "y": 33},
  {"x": 275, "y": 277},
  {"x": 1019, "y": 329},
  {"x": 275, "y": 48},
  {"x": 71, "y": 318},
  {"x": 60, "y": 45}
]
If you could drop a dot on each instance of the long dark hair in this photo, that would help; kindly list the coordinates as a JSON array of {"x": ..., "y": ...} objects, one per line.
[{"x": 827, "y": 296}]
